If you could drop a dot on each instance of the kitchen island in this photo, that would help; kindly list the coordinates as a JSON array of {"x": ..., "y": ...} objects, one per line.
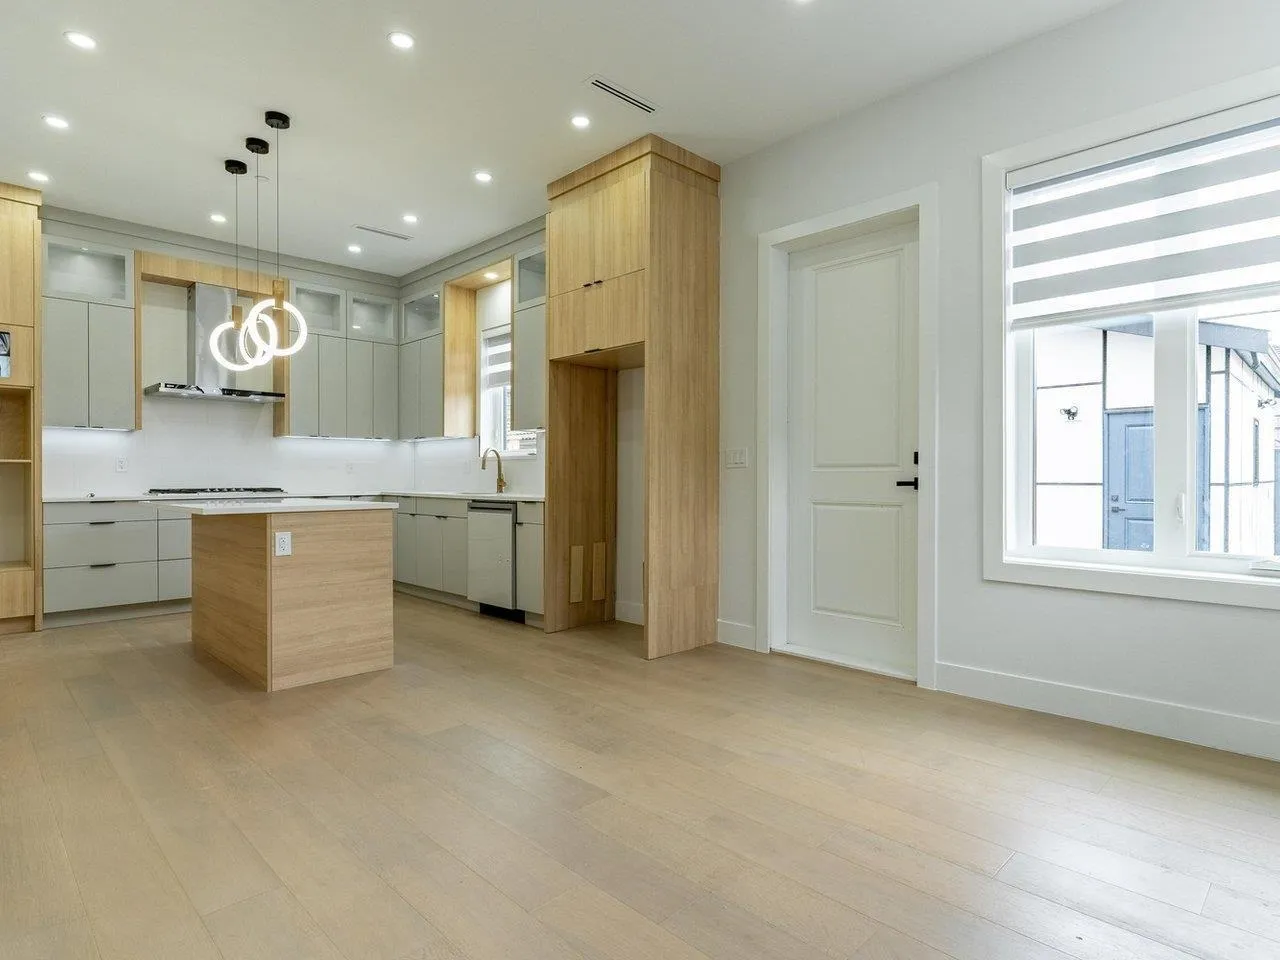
[{"x": 291, "y": 591}]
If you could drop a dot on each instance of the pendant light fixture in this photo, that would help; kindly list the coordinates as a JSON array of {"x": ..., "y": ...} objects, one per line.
[{"x": 259, "y": 347}]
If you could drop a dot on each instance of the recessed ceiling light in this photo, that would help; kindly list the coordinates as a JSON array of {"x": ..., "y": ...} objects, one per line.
[
  {"x": 355, "y": 326},
  {"x": 581, "y": 122},
  {"x": 491, "y": 275},
  {"x": 353, "y": 248},
  {"x": 483, "y": 176},
  {"x": 58, "y": 123},
  {"x": 435, "y": 296},
  {"x": 37, "y": 176},
  {"x": 81, "y": 40},
  {"x": 218, "y": 217},
  {"x": 400, "y": 40},
  {"x": 410, "y": 218}
]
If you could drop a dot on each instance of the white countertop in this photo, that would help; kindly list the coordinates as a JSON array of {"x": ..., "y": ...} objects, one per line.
[
  {"x": 308, "y": 494},
  {"x": 217, "y": 508}
]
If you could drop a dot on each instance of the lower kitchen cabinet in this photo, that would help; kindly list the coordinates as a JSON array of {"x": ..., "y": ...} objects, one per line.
[
  {"x": 529, "y": 566},
  {"x": 454, "y": 561},
  {"x": 429, "y": 544},
  {"x": 99, "y": 585},
  {"x": 173, "y": 580},
  {"x": 405, "y": 555}
]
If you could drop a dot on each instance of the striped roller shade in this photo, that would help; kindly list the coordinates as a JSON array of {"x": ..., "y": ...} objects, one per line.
[{"x": 1174, "y": 227}]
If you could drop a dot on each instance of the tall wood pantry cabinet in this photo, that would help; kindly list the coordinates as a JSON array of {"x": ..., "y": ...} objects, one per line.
[
  {"x": 633, "y": 268},
  {"x": 21, "y": 543}
]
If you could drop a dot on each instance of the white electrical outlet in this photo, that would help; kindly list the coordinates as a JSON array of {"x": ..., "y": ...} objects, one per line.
[
  {"x": 284, "y": 544},
  {"x": 735, "y": 458},
  {"x": 122, "y": 464}
]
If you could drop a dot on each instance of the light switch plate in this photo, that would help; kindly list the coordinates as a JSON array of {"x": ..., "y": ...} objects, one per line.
[
  {"x": 284, "y": 544},
  {"x": 735, "y": 458}
]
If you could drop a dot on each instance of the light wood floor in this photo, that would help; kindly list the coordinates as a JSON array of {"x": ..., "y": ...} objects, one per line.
[{"x": 503, "y": 795}]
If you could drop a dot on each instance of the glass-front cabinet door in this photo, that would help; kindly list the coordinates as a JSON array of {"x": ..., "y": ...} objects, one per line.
[
  {"x": 88, "y": 272},
  {"x": 324, "y": 308},
  {"x": 531, "y": 278},
  {"x": 421, "y": 316},
  {"x": 370, "y": 317}
]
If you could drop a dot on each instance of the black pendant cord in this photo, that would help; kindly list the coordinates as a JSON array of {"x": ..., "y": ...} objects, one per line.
[
  {"x": 277, "y": 202},
  {"x": 257, "y": 219},
  {"x": 237, "y": 181}
]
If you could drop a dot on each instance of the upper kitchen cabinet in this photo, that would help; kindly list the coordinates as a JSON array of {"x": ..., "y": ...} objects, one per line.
[
  {"x": 325, "y": 308},
  {"x": 599, "y": 231},
  {"x": 421, "y": 317},
  {"x": 302, "y": 407},
  {"x": 88, "y": 272},
  {"x": 371, "y": 317},
  {"x": 530, "y": 279},
  {"x": 88, "y": 358},
  {"x": 529, "y": 372}
]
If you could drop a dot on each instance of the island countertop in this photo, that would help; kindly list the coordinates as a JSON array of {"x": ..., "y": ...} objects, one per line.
[{"x": 221, "y": 508}]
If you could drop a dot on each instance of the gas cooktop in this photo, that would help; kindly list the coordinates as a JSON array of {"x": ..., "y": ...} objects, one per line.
[{"x": 185, "y": 491}]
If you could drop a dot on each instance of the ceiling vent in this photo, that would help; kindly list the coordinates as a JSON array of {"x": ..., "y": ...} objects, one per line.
[
  {"x": 621, "y": 93},
  {"x": 383, "y": 233}
]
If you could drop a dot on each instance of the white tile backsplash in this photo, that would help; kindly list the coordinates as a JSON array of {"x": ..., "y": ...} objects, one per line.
[{"x": 192, "y": 443}]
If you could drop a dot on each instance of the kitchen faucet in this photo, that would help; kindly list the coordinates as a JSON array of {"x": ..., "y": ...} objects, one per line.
[{"x": 484, "y": 465}]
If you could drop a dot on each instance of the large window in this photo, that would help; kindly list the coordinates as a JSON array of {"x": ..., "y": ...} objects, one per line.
[
  {"x": 495, "y": 397},
  {"x": 1140, "y": 323}
]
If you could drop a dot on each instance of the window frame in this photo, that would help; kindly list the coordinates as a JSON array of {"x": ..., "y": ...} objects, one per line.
[
  {"x": 1173, "y": 570},
  {"x": 504, "y": 428}
]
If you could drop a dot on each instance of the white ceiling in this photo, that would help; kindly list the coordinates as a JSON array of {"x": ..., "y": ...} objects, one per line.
[{"x": 174, "y": 87}]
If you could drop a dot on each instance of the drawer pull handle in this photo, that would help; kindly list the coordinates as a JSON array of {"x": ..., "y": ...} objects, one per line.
[
  {"x": 100, "y": 566},
  {"x": 587, "y": 284},
  {"x": 101, "y": 523}
]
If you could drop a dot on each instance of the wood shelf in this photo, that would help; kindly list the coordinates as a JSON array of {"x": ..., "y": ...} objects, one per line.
[{"x": 13, "y": 460}]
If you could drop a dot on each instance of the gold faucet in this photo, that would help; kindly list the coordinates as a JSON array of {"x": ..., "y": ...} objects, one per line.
[{"x": 484, "y": 465}]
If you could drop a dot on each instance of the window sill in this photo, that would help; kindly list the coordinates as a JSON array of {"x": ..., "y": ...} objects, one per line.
[{"x": 1259, "y": 589}]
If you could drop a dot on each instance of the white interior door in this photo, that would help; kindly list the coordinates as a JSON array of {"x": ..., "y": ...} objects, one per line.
[{"x": 853, "y": 398}]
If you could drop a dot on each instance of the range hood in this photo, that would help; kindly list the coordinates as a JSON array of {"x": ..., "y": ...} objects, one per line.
[{"x": 208, "y": 306}]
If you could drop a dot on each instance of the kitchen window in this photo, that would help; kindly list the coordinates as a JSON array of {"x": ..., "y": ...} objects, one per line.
[
  {"x": 495, "y": 397},
  {"x": 1137, "y": 366}
]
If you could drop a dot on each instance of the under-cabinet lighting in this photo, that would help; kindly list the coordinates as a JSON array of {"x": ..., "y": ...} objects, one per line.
[
  {"x": 491, "y": 275},
  {"x": 218, "y": 217},
  {"x": 410, "y": 218},
  {"x": 354, "y": 248}
]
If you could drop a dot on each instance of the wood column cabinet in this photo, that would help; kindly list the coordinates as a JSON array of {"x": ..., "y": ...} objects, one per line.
[
  {"x": 633, "y": 281},
  {"x": 21, "y": 523}
]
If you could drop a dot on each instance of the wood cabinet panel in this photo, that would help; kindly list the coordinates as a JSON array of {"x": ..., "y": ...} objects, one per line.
[
  {"x": 22, "y": 371},
  {"x": 569, "y": 246},
  {"x": 567, "y": 324},
  {"x": 617, "y": 312},
  {"x": 19, "y": 251},
  {"x": 620, "y": 226}
]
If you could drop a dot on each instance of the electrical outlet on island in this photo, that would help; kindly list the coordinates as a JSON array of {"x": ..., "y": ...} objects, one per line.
[{"x": 284, "y": 544}]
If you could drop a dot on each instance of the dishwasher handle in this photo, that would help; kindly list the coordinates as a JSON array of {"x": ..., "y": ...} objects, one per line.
[{"x": 489, "y": 506}]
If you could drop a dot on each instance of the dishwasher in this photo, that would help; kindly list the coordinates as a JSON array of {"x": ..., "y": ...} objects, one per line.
[{"x": 491, "y": 551}]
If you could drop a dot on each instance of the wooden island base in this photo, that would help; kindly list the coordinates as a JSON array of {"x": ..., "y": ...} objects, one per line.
[{"x": 322, "y": 613}]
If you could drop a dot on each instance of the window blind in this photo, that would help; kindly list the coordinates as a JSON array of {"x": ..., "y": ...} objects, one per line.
[
  {"x": 497, "y": 360},
  {"x": 1183, "y": 225}
]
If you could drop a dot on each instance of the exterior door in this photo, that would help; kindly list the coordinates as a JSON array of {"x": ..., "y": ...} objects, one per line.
[
  {"x": 1129, "y": 494},
  {"x": 853, "y": 398}
]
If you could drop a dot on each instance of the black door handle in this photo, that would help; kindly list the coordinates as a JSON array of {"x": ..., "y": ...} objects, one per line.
[{"x": 913, "y": 483}]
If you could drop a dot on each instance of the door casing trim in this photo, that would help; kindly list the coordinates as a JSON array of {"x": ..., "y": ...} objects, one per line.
[{"x": 772, "y": 389}]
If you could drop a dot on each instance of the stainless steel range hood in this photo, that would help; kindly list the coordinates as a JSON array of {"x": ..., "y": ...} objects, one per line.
[{"x": 207, "y": 307}]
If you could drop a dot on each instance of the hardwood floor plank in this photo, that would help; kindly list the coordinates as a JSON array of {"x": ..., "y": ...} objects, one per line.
[
  {"x": 723, "y": 931},
  {"x": 269, "y": 926},
  {"x": 63, "y": 941},
  {"x": 602, "y": 928},
  {"x": 1159, "y": 922},
  {"x": 1241, "y": 910},
  {"x": 891, "y": 945}
]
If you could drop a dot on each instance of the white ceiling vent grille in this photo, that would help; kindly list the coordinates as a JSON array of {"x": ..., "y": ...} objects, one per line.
[
  {"x": 621, "y": 93},
  {"x": 383, "y": 233}
]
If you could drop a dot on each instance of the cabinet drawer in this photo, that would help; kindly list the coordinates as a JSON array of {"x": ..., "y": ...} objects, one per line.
[
  {"x": 407, "y": 506},
  {"x": 93, "y": 512},
  {"x": 174, "y": 539},
  {"x": 108, "y": 541},
  {"x": 528, "y": 512},
  {"x": 87, "y": 588},
  {"x": 441, "y": 507},
  {"x": 173, "y": 579}
]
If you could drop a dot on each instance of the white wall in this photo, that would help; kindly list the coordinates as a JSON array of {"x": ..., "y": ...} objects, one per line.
[
  {"x": 194, "y": 443},
  {"x": 1193, "y": 671},
  {"x": 629, "y": 595}
]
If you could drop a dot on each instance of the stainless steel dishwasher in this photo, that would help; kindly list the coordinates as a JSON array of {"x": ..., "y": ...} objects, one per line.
[{"x": 491, "y": 552}]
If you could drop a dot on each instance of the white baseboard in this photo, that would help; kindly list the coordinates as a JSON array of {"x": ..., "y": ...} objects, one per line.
[
  {"x": 736, "y": 634},
  {"x": 824, "y": 656},
  {"x": 1175, "y": 721},
  {"x": 629, "y": 611}
]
